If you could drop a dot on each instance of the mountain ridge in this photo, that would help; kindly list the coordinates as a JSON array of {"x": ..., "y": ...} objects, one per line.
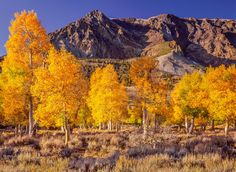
[
  {"x": 206, "y": 41},
  {"x": 182, "y": 44}
]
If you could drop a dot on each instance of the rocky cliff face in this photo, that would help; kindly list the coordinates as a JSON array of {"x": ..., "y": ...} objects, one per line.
[{"x": 206, "y": 41}]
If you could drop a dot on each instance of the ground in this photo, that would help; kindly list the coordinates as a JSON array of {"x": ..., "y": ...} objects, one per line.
[{"x": 168, "y": 149}]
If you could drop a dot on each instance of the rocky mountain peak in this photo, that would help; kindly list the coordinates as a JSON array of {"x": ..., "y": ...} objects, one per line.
[
  {"x": 95, "y": 14},
  {"x": 96, "y": 18},
  {"x": 206, "y": 41},
  {"x": 164, "y": 17}
]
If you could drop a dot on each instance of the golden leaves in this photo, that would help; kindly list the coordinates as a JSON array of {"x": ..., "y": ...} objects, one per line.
[
  {"x": 213, "y": 91},
  {"x": 26, "y": 50},
  {"x": 107, "y": 97},
  {"x": 220, "y": 84},
  {"x": 61, "y": 87}
]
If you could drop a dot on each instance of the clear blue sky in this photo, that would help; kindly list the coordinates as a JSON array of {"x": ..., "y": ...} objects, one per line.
[{"x": 57, "y": 13}]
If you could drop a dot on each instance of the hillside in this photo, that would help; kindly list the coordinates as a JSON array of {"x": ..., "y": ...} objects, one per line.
[
  {"x": 179, "y": 44},
  {"x": 205, "y": 41}
]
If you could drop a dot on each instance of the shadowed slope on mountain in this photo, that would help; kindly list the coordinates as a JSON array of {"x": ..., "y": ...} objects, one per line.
[{"x": 206, "y": 41}]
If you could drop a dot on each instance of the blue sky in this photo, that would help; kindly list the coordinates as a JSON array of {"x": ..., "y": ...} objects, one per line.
[{"x": 57, "y": 13}]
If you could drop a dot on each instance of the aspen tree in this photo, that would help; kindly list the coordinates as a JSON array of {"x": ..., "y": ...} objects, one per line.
[
  {"x": 221, "y": 85},
  {"x": 27, "y": 47},
  {"x": 61, "y": 88},
  {"x": 140, "y": 74},
  {"x": 107, "y": 97},
  {"x": 188, "y": 100}
]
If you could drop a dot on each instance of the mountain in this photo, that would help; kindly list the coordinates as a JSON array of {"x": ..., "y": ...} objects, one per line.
[
  {"x": 202, "y": 41},
  {"x": 179, "y": 44}
]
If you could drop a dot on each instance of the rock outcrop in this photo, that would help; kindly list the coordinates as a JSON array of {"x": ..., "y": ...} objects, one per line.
[
  {"x": 205, "y": 41},
  {"x": 176, "y": 64}
]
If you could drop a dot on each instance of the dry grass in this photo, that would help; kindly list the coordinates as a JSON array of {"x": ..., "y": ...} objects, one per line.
[
  {"x": 163, "y": 151},
  {"x": 33, "y": 162},
  {"x": 193, "y": 163},
  {"x": 22, "y": 141},
  {"x": 52, "y": 142}
]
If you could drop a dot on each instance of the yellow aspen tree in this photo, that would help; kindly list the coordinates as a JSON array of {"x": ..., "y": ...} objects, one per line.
[
  {"x": 158, "y": 105},
  {"x": 61, "y": 88},
  {"x": 93, "y": 100},
  {"x": 140, "y": 74},
  {"x": 115, "y": 96},
  {"x": 134, "y": 111},
  {"x": 1, "y": 108},
  {"x": 1, "y": 101},
  {"x": 207, "y": 101},
  {"x": 84, "y": 118},
  {"x": 187, "y": 99},
  {"x": 107, "y": 97},
  {"x": 27, "y": 47},
  {"x": 13, "y": 97},
  {"x": 221, "y": 85}
]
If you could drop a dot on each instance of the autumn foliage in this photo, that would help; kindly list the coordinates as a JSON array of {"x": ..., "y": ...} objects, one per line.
[
  {"x": 45, "y": 87},
  {"x": 207, "y": 95},
  {"x": 107, "y": 97},
  {"x": 151, "y": 90},
  {"x": 27, "y": 48}
]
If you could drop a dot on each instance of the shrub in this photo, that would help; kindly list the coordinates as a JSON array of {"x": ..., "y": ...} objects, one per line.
[
  {"x": 94, "y": 146},
  {"x": 159, "y": 163},
  {"x": 22, "y": 141},
  {"x": 76, "y": 142},
  {"x": 118, "y": 141},
  {"x": 65, "y": 153},
  {"x": 1, "y": 141},
  {"x": 52, "y": 143},
  {"x": 5, "y": 152},
  {"x": 33, "y": 162}
]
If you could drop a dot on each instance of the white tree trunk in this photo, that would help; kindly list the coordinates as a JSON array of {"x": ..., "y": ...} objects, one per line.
[
  {"x": 145, "y": 123},
  {"x": 31, "y": 119},
  {"x": 186, "y": 123},
  {"x": 191, "y": 126},
  {"x": 155, "y": 122},
  {"x": 226, "y": 127},
  {"x": 110, "y": 125},
  {"x": 67, "y": 132}
]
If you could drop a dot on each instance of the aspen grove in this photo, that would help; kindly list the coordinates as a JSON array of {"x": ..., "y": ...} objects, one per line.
[{"x": 43, "y": 87}]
